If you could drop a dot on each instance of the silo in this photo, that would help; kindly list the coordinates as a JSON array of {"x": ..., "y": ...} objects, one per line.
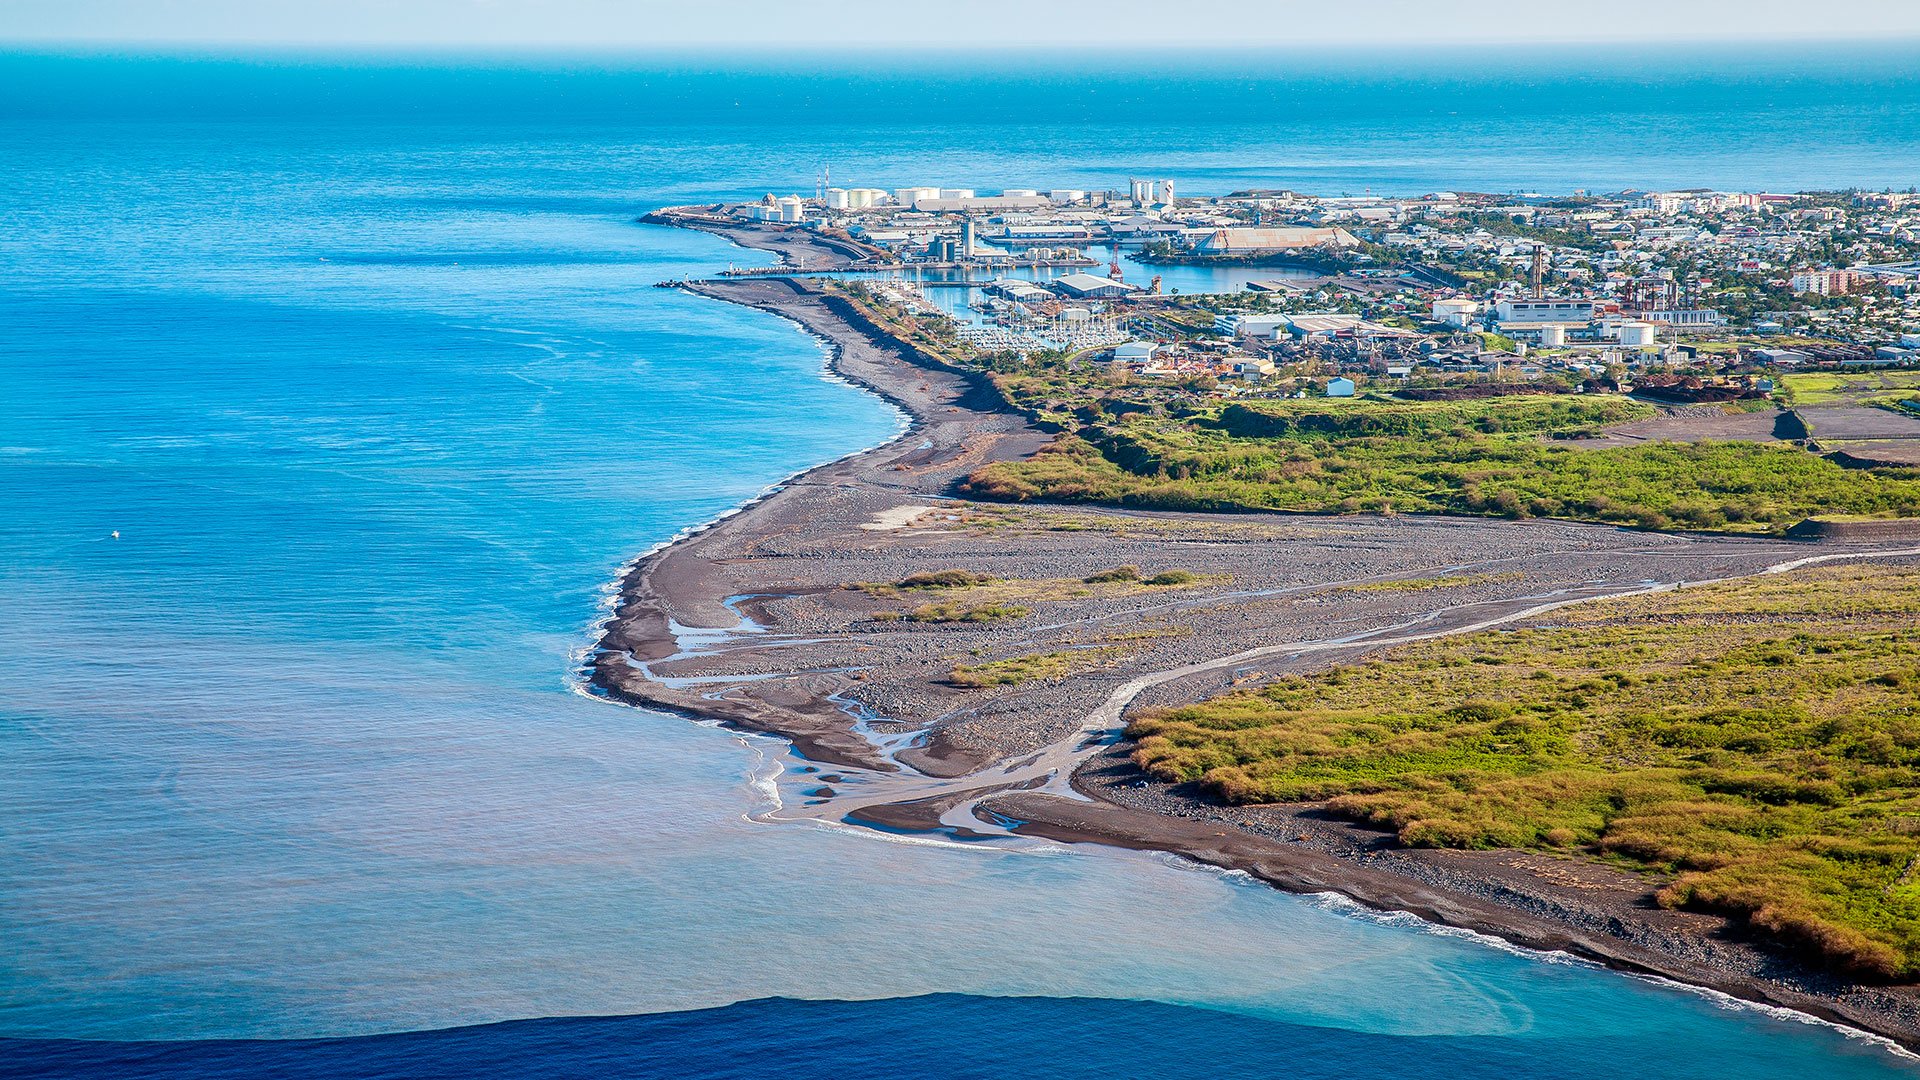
[{"x": 1637, "y": 333}]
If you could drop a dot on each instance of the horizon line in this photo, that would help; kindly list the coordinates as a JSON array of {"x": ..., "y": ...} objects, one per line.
[{"x": 637, "y": 49}]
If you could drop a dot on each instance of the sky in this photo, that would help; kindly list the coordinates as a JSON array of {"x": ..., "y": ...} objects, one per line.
[{"x": 777, "y": 24}]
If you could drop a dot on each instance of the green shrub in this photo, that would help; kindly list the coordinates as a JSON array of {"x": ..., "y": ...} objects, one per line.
[
  {"x": 1336, "y": 462},
  {"x": 945, "y": 579},
  {"x": 944, "y": 613}
]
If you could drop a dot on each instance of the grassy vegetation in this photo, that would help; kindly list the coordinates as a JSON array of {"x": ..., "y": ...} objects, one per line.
[
  {"x": 1007, "y": 517},
  {"x": 1861, "y": 387},
  {"x": 1155, "y": 444},
  {"x": 1020, "y": 669},
  {"x": 1425, "y": 584},
  {"x": 964, "y": 588},
  {"x": 1757, "y": 744},
  {"x": 926, "y": 581},
  {"x": 1500, "y": 456},
  {"x": 958, "y": 612},
  {"x": 944, "y": 579},
  {"x": 1131, "y": 574},
  {"x": 1146, "y": 633}
]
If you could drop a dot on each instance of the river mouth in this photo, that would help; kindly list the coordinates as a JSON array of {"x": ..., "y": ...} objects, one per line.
[
  {"x": 292, "y": 755},
  {"x": 797, "y": 632}
]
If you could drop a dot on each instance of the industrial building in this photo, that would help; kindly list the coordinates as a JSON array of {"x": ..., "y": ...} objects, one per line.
[
  {"x": 1536, "y": 311},
  {"x": 1265, "y": 241},
  {"x": 787, "y": 208},
  {"x": 1248, "y": 325},
  {"x": 1455, "y": 313},
  {"x": 911, "y": 196},
  {"x": 854, "y": 198},
  {"x": 1024, "y": 291},
  {"x": 1302, "y": 326},
  {"x": 1151, "y": 192},
  {"x": 1089, "y": 287},
  {"x": 1689, "y": 317},
  {"x": 987, "y": 204},
  {"x": 1633, "y": 332}
]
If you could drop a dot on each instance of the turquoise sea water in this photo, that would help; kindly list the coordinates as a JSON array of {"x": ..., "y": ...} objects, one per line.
[{"x": 361, "y": 361}]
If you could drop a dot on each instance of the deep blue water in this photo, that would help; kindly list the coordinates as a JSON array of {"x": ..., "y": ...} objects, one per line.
[
  {"x": 362, "y": 362},
  {"x": 944, "y": 1035}
]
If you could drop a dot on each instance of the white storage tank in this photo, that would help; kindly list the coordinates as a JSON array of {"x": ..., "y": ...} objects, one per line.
[
  {"x": 1455, "y": 312},
  {"x": 1065, "y": 196},
  {"x": 1637, "y": 333},
  {"x": 1552, "y": 337}
]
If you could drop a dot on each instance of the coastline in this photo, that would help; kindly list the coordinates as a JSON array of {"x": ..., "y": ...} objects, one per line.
[{"x": 774, "y": 571}]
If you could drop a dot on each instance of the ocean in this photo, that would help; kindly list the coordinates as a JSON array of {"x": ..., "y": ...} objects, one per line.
[{"x": 360, "y": 359}]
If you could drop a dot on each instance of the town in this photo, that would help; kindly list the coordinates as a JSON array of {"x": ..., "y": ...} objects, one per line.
[
  {"x": 1166, "y": 450},
  {"x": 1700, "y": 296}
]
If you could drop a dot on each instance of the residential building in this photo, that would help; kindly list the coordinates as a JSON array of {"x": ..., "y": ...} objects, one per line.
[{"x": 1823, "y": 282}]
